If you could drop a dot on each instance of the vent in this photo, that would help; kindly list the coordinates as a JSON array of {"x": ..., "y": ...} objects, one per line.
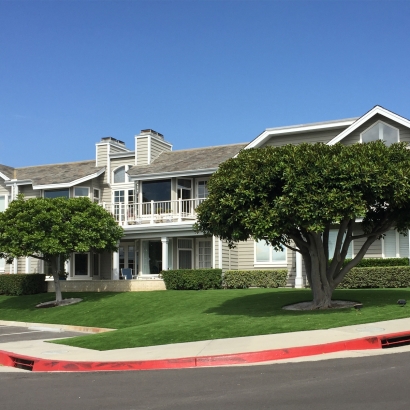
[
  {"x": 396, "y": 341},
  {"x": 24, "y": 364}
]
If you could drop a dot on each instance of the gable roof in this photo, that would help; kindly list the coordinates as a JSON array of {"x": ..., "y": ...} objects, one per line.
[
  {"x": 59, "y": 175},
  {"x": 189, "y": 161},
  {"x": 6, "y": 172},
  {"x": 360, "y": 121}
]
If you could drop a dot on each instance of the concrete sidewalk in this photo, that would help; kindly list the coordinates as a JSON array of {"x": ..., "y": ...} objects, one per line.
[{"x": 242, "y": 350}]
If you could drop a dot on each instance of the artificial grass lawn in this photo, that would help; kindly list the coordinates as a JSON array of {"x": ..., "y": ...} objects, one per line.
[{"x": 162, "y": 317}]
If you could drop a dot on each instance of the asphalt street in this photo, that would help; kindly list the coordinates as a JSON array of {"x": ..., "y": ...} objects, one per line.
[{"x": 377, "y": 382}]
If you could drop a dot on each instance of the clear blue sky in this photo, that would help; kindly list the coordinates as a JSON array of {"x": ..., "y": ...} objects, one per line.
[{"x": 200, "y": 72}]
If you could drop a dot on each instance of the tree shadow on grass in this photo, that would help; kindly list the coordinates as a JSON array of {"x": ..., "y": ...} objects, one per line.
[{"x": 270, "y": 304}]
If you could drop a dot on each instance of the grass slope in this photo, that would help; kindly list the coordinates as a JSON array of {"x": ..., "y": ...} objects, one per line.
[{"x": 154, "y": 318}]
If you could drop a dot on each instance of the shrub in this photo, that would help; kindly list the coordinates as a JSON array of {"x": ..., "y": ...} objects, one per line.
[
  {"x": 370, "y": 262},
  {"x": 22, "y": 284},
  {"x": 192, "y": 279},
  {"x": 377, "y": 277},
  {"x": 242, "y": 279}
]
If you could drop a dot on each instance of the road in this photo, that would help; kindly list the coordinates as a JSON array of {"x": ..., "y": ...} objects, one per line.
[{"x": 377, "y": 382}]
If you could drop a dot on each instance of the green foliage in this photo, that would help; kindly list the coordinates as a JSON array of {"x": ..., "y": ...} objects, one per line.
[
  {"x": 192, "y": 279},
  {"x": 377, "y": 277},
  {"x": 43, "y": 228},
  {"x": 275, "y": 193},
  {"x": 242, "y": 279},
  {"x": 22, "y": 284},
  {"x": 370, "y": 262}
]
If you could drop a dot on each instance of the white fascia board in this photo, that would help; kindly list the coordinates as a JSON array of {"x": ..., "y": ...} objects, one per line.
[
  {"x": 5, "y": 177},
  {"x": 163, "y": 175},
  {"x": 11, "y": 182},
  {"x": 72, "y": 183},
  {"x": 171, "y": 229},
  {"x": 258, "y": 141},
  {"x": 374, "y": 111}
]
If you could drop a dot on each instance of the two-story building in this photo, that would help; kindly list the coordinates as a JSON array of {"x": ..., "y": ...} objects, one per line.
[{"x": 153, "y": 191}]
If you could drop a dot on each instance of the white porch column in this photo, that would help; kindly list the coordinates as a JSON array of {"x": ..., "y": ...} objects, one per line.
[
  {"x": 164, "y": 241},
  {"x": 116, "y": 266},
  {"x": 299, "y": 277},
  {"x": 220, "y": 254},
  {"x": 15, "y": 265},
  {"x": 27, "y": 267}
]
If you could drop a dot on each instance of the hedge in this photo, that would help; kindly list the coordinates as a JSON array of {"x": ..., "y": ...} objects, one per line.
[
  {"x": 22, "y": 284},
  {"x": 370, "y": 262},
  {"x": 377, "y": 277},
  {"x": 242, "y": 279},
  {"x": 192, "y": 279}
]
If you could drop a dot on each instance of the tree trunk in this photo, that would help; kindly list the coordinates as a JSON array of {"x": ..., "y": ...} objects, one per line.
[{"x": 57, "y": 288}]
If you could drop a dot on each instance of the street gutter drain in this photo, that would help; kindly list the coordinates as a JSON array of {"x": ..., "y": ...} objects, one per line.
[
  {"x": 24, "y": 364},
  {"x": 395, "y": 341}
]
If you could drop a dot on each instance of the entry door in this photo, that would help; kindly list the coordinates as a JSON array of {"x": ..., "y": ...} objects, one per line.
[
  {"x": 128, "y": 257},
  {"x": 184, "y": 188},
  {"x": 124, "y": 204}
]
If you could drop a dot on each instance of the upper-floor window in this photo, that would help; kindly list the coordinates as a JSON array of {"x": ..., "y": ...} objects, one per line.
[
  {"x": 57, "y": 193},
  {"x": 265, "y": 253},
  {"x": 202, "y": 189},
  {"x": 81, "y": 191},
  {"x": 381, "y": 131},
  {"x": 120, "y": 175}
]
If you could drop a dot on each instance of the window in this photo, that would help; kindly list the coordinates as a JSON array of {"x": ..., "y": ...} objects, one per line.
[
  {"x": 81, "y": 191},
  {"x": 96, "y": 195},
  {"x": 204, "y": 254},
  {"x": 57, "y": 193},
  {"x": 184, "y": 253},
  {"x": 119, "y": 175},
  {"x": 156, "y": 190},
  {"x": 81, "y": 264},
  {"x": 332, "y": 244},
  {"x": 151, "y": 257},
  {"x": 202, "y": 189},
  {"x": 264, "y": 253},
  {"x": 395, "y": 245},
  {"x": 2, "y": 203},
  {"x": 381, "y": 131}
]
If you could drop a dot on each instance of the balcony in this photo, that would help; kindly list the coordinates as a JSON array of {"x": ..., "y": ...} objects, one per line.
[{"x": 154, "y": 212}]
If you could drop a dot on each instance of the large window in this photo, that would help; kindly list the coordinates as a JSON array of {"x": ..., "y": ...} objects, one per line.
[
  {"x": 81, "y": 264},
  {"x": 204, "y": 253},
  {"x": 381, "y": 131},
  {"x": 119, "y": 175},
  {"x": 184, "y": 253},
  {"x": 156, "y": 190},
  {"x": 266, "y": 254},
  {"x": 57, "y": 193},
  {"x": 395, "y": 245},
  {"x": 332, "y": 244}
]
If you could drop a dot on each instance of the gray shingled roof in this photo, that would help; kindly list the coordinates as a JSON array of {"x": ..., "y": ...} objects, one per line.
[
  {"x": 7, "y": 171},
  {"x": 188, "y": 160},
  {"x": 57, "y": 173}
]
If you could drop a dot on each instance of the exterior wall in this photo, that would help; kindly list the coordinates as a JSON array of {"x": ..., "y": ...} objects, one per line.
[
  {"x": 102, "y": 150},
  {"x": 299, "y": 138},
  {"x": 158, "y": 146},
  {"x": 29, "y": 192},
  {"x": 141, "y": 150}
]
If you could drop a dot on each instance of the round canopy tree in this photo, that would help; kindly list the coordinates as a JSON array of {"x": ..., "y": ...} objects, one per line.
[
  {"x": 293, "y": 195},
  {"x": 51, "y": 229}
]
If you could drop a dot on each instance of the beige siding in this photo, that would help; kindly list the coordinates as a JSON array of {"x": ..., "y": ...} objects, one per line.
[
  {"x": 116, "y": 148},
  {"x": 158, "y": 146},
  {"x": 299, "y": 138},
  {"x": 142, "y": 150},
  {"x": 102, "y": 156},
  {"x": 245, "y": 255},
  {"x": 3, "y": 189},
  {"x": 29, "y": 192}
]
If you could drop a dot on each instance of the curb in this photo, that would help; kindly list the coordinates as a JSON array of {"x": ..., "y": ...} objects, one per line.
[
  {"x": 53, "y": 327},
  {"x": 45, "y": 365}
]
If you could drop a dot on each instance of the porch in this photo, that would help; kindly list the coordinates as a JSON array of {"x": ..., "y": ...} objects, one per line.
[{"x": 154, "y": 212}]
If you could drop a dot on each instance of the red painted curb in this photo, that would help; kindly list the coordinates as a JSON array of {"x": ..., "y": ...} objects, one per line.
[{"x": 44, "y": 365}]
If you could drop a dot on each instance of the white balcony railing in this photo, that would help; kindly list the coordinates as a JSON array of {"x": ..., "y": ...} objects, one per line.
[{"x": 154, "y": 212}]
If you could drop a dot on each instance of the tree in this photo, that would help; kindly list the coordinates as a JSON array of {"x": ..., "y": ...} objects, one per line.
[
  {"x": 51, "y": 229},
  {"x": 293, "y": 195}
]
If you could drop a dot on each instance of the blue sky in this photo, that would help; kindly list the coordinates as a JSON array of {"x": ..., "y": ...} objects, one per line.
[{"x": 200, "y": 72}]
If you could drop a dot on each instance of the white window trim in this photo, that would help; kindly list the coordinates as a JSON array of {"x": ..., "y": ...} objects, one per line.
[
  {"x": 380, "y": 136},
  {"x": 270, "y": 263},
  {"x": 82, "y": 277},
  {"x": 197, "y": 185},
  {"x": 192, "y": 249},
  {"x": 81, "y": 196},
  {"x": 57, "y": 189}
]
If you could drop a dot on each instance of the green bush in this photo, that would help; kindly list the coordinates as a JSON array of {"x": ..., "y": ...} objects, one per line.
[
  {"x": 242, "y": 279},
  {"x": 370, "y": 262},
  {"x": 22, "y": 284},
  {"x": 377, "y": 277},
  {"x": 192, "y": 279}
]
